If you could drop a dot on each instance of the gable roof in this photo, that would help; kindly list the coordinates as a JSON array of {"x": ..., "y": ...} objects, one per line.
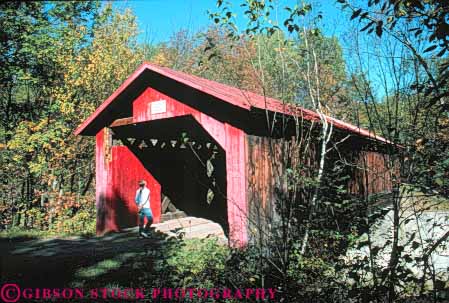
[{"x": 234, "y": 96}]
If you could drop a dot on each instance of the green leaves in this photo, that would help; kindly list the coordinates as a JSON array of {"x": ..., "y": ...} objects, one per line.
[
  {"x": 59, "y": 60},
  {"x": 430, "y": 48},
  {"x": 356, "y": 13},
  {"x": 431, "y": 18},
  {"x": 379, "y": 28}
]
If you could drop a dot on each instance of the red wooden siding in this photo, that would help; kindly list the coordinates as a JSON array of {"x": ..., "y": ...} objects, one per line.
[
  {"x": 236, "y": 185},
  {"x": 261, "y": 185},
  {"x": 369, "y": 174},
  {"x": 373, "y": 173},
  {"x": 235, "y": 120},
  {"x": 230, "y": 138},
  {"x": 126, "y": 171},
  {"x": 105, "y": 212},
  {"x": 142, "y": 107},
  {"x": 175, "y": 108},
  {"x": 117, "y": 174}
]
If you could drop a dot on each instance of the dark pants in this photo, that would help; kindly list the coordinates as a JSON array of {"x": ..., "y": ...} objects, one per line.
[{"x": 145, "y": 212}]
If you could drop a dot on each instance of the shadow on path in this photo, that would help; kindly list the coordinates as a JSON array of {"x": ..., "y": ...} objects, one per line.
[{"x": 114, "y": 260}]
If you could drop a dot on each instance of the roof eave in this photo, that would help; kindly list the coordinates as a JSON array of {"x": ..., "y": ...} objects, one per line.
[{"x": 82, "y": 128}]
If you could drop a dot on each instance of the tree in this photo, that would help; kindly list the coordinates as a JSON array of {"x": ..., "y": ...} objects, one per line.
[
  {"x": 403, "y": 115},
  {"x": 426, "y": 20},
  {"x": 87, "y": 61},
  {"x": 409, "y": 115},
  {"x": 292, "y": 64},
  {"x": 30, "y": 32}
]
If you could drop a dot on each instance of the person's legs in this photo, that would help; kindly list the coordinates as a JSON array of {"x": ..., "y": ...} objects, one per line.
[
  {"x": 141, "y": 221},
  {"x": 149, "y": 216}
]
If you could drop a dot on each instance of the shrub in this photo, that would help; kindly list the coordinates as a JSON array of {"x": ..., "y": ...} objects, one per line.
[{"x": 198, "y": 263}]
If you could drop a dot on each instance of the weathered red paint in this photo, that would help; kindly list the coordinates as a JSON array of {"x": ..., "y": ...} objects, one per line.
[
  {"x": 378, "y": 178},
  {"x": 230, "y": 139},
  {"x": 175, "y": 108},
  {"x": 236, "y": 179},
  {"x": 105, "y": 212},
  {"x": 231, "y": 95},
  {"x": 117, "y": 174},
  {"x": 126, "y": 171}
]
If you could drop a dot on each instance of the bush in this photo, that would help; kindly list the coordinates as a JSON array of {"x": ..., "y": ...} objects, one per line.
[
  {"x": 67, "y": 215},
  {"x": 35, "y": 217},
  {"x": 198, "y": 263},
  {"x": 82, "y": 223}
]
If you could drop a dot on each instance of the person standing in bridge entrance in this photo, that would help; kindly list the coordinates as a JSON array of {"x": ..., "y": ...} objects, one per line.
[{"x": 143, "y": 205}]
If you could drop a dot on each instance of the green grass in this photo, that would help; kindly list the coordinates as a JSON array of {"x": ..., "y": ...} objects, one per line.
[
  {"x": 415, "y": 199},
  {"x": 98, "y": 269},
  {"x": 20, "y": 233},
  {"x": 106, "y": 265}
]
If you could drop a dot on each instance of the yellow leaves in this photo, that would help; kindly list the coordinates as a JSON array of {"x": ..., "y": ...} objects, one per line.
[
  {"x": 67, "y": 108},
  {"x": 35, "y": 167},
  {"x": 90, "y": 72},
  {"x": 419, "y": 144},
  {"x": 38, "y": 126},
  {"x": 21, "y": 136},
  {"x": 443, "y": 133},
  {"x": 444, "y": 121},
  {"x": 161, "y": 59},
  {"x": 96, "y": 71},
  {"x": 280, "y": 49},
  {"x": 17, "y": 158},
  {"x": 90, "y": 67}
]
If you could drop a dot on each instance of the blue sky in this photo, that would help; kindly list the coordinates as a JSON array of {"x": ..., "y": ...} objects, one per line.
[{"x": 159, "y": 19}]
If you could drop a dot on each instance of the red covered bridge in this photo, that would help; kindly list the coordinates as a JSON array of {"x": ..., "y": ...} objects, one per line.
[{"x": 201, "y": 147}]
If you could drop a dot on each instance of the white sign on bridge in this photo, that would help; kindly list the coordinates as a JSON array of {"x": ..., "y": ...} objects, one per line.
[{"x": 158, "y": 107}]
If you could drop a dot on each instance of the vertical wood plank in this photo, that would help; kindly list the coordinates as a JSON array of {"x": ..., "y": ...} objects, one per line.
[{"x": 236, "y": 188}]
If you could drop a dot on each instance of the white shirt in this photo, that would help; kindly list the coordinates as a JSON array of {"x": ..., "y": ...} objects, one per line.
[{"x": 143, "y": 197}]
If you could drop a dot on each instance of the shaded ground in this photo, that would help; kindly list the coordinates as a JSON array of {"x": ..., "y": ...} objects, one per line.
[
  {"x": 75, "y": 261},
  {"x": 113, "y": 259},
  {"x": 116, "y": 261}
]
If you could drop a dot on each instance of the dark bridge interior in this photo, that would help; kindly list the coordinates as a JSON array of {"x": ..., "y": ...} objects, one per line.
[{"x": 187, "y": 162}]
